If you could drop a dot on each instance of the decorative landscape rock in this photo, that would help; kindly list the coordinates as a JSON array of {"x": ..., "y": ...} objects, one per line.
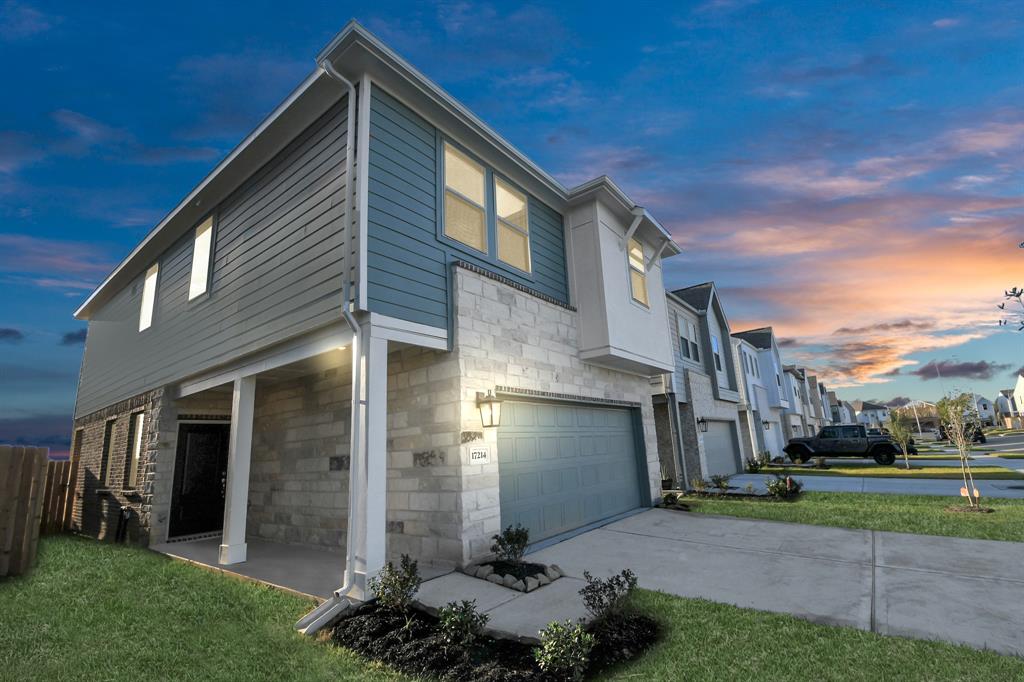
[{"x": 528, "y": 578}]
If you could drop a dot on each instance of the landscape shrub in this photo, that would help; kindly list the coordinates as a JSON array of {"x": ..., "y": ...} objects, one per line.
[
  {"x": 720, "y": 481},
  {"x": 669, "y": 498},
  {"x": 607, "y": 596},
  {"x": 752, "y": 465},
  {"x": 783, "y": 487},
  {"x": 564, "y": 650},
  {"x": 699, "y": 484},
  {"x": 460, "y": 624},
  {"x": 510, "y": 544},
  {"x": 819, "y": 463},
  {"x": 395, "y": 587}
]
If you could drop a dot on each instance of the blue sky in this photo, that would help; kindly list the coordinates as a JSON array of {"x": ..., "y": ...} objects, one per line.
[{"x": 850, "y": 175}]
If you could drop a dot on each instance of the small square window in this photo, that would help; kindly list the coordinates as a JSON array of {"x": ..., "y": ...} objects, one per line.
[{"x": 637, "y": 272}]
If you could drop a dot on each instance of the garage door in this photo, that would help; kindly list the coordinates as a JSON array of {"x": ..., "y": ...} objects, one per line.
[
  {"x": 565, "y": 466},
  {"x": 720, "y": 448}
]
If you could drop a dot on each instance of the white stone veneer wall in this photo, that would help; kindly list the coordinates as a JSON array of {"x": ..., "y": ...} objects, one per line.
[{"x": 507, "y": 337}]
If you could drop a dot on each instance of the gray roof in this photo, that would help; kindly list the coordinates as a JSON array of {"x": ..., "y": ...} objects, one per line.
[
  {"x": 699, "y": 295},
  {"x": 759, "y": 338}
]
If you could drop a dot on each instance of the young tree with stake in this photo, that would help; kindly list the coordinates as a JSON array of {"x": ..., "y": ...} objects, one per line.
[
  {"x": 959, "y": 419},
  {"x": 899, "y": 431}
]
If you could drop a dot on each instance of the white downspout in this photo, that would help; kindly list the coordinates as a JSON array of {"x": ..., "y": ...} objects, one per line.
[{"x": 333, "y": 607}]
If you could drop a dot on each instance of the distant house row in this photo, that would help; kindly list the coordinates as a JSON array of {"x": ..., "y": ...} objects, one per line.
[
  {"x": 1007, "y": 410},
  {"x": 731, "y": 396}
]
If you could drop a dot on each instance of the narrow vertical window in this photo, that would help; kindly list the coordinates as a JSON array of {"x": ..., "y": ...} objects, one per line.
[
  {"x": 108, "y": 433},
  {"x": 513, "y": 225},
  {"x": 148, "y": 297},
  {"x": 465, "y": 213},
  {"x": 684, "y": 339},
  {"x": 135, "y": 454},
  {"x": 693, "y": 342},
  {"x": 715, "y": 351},
  {"x": 637, "y": 272},
  {"x": 201, "y": 259}
]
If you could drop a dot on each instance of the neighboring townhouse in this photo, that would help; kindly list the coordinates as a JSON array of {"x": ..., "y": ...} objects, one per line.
[
  {"x": 770, "y": 393},
  {"x": 814, "y": 391},
  {"x": 1007, "y": 415},
  {"x": 826, "y": 402},
  {"x": 870, "y": 414},
  {"x": 377, "y": 326},
  {"x": 755, "y": 410},
  {"x": 1018, "y": 396},
  {"x": 922, "y": 415},
  {"x": 842, "y": 411},
  {"x": 795, "y": 422},
  {"x": 986, "y": 410},
  {"x": 698, "y": 413}
]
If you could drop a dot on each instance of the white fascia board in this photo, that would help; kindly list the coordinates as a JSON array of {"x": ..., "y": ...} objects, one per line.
[{"x": 602, "y": 187}]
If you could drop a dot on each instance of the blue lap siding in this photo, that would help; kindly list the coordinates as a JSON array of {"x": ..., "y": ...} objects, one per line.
[{"x": 407, "y": 257}]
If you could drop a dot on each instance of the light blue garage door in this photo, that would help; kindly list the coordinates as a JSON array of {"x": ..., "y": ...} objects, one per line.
[{"x": 565, "y": 466}]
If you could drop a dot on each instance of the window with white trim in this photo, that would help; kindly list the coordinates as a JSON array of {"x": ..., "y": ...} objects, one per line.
[
  {"x": 637, "y": 272},
  {"x": 465, "y": 203},
  {"x": 135, "y": 453},
  {"x": 687, "y": 339},
  {"x": 148, "y": 297},
  {"x": 201, "y": 247},
  {"x": 715, "y": 351},
  {"x": 512, "y": 221}
]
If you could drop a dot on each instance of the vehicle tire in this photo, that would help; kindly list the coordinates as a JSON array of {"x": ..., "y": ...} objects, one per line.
[
  {"x": 800, "y": 456},
  {"x": 885, "y": 457}
]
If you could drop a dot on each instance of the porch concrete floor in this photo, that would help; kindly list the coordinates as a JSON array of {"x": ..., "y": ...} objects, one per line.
[{"x": 313, "y": 571}]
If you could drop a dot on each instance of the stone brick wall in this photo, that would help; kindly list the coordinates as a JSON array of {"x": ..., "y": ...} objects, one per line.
[
  {"x": 703, "y": 404},
  {"x": 97, "y": 504},
  {"x": 507, "y": 337}
]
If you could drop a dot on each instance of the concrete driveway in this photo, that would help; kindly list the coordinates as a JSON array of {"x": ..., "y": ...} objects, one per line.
[{"x": 969, "y": 591}]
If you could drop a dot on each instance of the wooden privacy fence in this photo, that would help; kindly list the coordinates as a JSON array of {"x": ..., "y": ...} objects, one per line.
[{"x": 35, "y": 497}]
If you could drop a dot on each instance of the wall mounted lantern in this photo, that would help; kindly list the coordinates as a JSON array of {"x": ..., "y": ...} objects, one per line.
[
  {"x": 766, "y": 424},
  {"x": 702, "y": 424},
  {"x": 490, "y": 409}
]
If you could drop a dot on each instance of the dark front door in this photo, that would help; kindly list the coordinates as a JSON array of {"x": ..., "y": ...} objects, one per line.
[{"x": 200, "y": 472}]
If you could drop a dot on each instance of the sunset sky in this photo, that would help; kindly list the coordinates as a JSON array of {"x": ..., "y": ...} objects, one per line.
[{"x": 850, "y": 176}]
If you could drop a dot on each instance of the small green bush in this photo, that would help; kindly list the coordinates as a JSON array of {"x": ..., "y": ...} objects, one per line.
[
  {"x": 819, "y": 463},
  {"x": 395, "y": 587},
  {"x": 604, "y": 597},
  {"x": 669, "y": 498},
  {"x": 783, "y": 487},
  {"x": 720, "y": 481},
  {"x": 564, "y": 650},
  {"x": 752, "y": 465},
  {"x": 699, "y": 484},
  {"x": 461, "y": 624},
  {"x": 510, "y": 544}
]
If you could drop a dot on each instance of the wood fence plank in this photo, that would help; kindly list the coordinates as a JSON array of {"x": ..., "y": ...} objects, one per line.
[
  {"x": 40, "y": 458},
  {"x": 57, "y": 513},
  {"x": 20, "y": 516},
  {"x": 10, "y": 486},
  {"x": 47, "y": 493}
]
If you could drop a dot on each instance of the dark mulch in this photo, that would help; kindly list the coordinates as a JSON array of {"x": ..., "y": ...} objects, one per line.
[
  {"x": 963, "y": 509},
  {"x": 413, "y": 645},
  {"x": 520, "y": 570}
]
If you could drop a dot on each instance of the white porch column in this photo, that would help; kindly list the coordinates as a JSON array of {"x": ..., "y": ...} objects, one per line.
[
  {"x": 236, "y": 501},
  {"x": 370, "y": 500}
]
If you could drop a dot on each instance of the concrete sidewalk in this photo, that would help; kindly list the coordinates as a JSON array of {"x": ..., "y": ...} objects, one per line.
[
  {"x": 959, "y": 590},
  {"x": 1007, "y": 489}
]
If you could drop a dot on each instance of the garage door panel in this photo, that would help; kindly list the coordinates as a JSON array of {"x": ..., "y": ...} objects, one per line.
[
  {"x": 721, "y": 448},
  {"x": 572, "y": 465}
]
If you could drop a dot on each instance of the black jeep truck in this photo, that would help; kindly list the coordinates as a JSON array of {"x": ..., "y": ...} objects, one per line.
[{"x": 843, "y": 441}]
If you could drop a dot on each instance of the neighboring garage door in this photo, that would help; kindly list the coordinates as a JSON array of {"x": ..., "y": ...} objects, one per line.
[
  {"x": 563, "y": 466},
  {"x": 720, "y": 448}
]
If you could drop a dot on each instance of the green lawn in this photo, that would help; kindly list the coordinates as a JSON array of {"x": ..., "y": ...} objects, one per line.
[
  {"x": 708, "y": 641},
  {"x": 92, "y": 611},
  {"x": 98, "y": 611},
  {"x": 899, "y": 513},
  {"x": 876, "y": 471}
]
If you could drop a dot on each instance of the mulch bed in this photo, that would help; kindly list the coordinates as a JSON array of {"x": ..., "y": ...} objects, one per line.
[
  {"x": 962, "y": 509},
  {"x": 520, "y": 570},
  {"x": 412, "y": 644}
]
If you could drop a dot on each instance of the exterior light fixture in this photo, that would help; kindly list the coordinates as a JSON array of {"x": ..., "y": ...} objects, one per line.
[
  {"x": 490, "y": 409},
  {"x": 766, "y": 424},
  {"x": 702, "y": 424}
]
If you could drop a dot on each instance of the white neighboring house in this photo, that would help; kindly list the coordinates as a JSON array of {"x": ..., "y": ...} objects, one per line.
[
  {"x": 1007, "y": 414},
  {"x": 872, "y": 415},
  {"x": 796, "y": 425},
  {"x": 756, "y": 415},
  {"x": 770, "y": 391},
  {"x": 842, "y": 411},
  {"x": 986, "y": 410}
]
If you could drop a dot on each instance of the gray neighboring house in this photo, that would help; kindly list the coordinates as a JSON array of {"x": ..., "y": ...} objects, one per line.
[
  {"x": 377, "y": 326},
  {"x": 767, "y": 389},
  {"x": 697, "y": 408}
]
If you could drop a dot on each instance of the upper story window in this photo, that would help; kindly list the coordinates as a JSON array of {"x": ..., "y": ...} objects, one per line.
[
  {"x": 637, "y": 272},
  {"x": 688, "y": 339},
  {"x": 513, "y": 225},
  {"x": 148, "y": 297},
  {"x": 715, "y": 351},
  {"x": 465, "y": 204},
  {"x": 201, "y": 259}
]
